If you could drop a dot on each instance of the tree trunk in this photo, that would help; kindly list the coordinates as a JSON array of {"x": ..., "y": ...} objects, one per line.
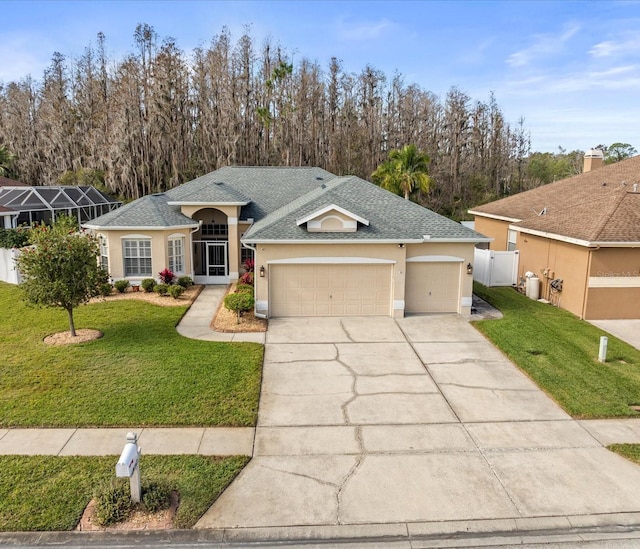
[{"x": 72, "y": 327}]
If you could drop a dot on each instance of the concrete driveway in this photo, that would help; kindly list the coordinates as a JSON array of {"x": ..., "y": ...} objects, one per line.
[{"x": 415, "y": 421}]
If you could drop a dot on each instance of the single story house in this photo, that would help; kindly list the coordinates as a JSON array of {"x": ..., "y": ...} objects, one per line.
[
  {"x": 323, "y": 245},
  {"x": 580, "y": 236}
]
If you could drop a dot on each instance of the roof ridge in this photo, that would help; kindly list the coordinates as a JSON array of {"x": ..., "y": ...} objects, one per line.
[{"x": 605, "y": 219}]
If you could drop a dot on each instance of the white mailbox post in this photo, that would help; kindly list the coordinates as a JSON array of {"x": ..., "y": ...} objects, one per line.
[{"x": 129, "y": 466}]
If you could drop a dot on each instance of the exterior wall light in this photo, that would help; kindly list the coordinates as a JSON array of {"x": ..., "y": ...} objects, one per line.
[
  {"x": 261, "y": 271},
  {"x": 469, "y": 268}
]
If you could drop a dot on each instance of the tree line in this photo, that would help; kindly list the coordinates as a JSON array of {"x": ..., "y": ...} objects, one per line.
[{"x": 159, "y": 117}]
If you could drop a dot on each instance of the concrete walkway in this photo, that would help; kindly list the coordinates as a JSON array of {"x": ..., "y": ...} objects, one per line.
[{"x": 195, "y": 323}]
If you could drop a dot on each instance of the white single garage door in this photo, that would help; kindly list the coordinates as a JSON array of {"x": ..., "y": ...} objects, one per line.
[
  {"x": 330, "y": 290},
  {"x": 432, "y": 287}
]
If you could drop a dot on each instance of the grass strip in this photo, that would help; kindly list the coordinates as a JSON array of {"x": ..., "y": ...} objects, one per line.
[
  {"x": 50, "y": 493},
  {"x": 560, "y": 353},
  {"x": 141, "y": 373}
]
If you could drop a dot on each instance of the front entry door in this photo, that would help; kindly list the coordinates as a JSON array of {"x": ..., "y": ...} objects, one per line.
[{"x": 211, "y": 262}]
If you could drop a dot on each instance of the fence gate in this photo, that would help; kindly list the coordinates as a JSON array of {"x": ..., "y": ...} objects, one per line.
[{"x": 493, "y": 268}]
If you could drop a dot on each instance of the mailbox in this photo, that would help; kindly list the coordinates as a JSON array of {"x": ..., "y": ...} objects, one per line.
[{"x": 128, "y": 460}]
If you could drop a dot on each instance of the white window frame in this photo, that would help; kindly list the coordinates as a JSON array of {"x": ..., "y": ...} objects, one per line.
[
  {"x": 142, "y": 249},
  {"x": 104, "y": 252},
  {"x": 175, "y": 260},
  {"x": 512, "y": 239}
]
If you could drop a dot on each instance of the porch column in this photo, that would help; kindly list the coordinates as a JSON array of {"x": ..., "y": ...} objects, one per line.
[{"x": 234, "y": 252}]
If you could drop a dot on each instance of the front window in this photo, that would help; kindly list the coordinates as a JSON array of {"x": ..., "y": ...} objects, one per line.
[
  {"x": 176, "y": 254},
  {"x": 137, "y": 258},
  {"x": 104, "y": 253},
  {"x": 511, "y": 240},
  {"x": 214, "y": 229}
]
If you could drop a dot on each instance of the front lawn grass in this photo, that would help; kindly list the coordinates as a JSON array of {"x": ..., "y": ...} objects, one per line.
[
  {"x": 560, "y": 353},
  {"x": 141, "y": 373},
  {"x": 45, "y": 493}
]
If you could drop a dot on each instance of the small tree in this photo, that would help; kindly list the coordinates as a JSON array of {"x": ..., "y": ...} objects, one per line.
[
  {"x": 239, "y": 302},
  {"x": 60, "y": 268}
]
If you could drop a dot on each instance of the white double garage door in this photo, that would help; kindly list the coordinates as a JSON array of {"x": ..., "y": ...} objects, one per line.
[{"x": 361, "y": 289}]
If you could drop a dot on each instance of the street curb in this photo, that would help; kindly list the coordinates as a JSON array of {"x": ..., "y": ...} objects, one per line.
[{"x": 494, "y": 532}]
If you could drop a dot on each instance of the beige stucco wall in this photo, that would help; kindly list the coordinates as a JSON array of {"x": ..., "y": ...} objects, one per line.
[
  {"x": 266, "y": 253},
  {"x": 611, "y": 267},
  {"x": 498, "y": 230},
  {"x": 560, "y": 260},
  {"x": 159, "y": 251}
]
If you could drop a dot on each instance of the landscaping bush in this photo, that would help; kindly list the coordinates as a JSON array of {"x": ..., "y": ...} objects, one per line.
[
  {"x": 105, "y": 289},
  {"x": 239, "y": 302},
  {"x": 113, "y": 502},
  {"x": 156, "y": 496},
  {"x": 121, "y": 285},
  {"x": 161, "y": 289},
  {"x": 14, "y": 238},
  {"x": 148, "y": 284},
  {"x": 175, "y": 291},
  {"x": 185, "y": 282},
  {"x": 166, "y": 276},
  {"x": 247, "y": 278},
  {"x": 244, "y": 288}
]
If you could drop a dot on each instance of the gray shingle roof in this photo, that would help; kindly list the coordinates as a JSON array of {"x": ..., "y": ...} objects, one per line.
[
  {"x": 151, "y": 211},
  {"x": 264, "y": 188},
  {"x": 390, "y": 216}
]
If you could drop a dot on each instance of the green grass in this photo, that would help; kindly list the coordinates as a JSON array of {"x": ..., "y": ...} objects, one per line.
[
  {"x": 141, "y": 373},
  {"x": 629, "y": 451},
  {"x": 44, "y": 493},
  {"x": 560, "y": 353}
]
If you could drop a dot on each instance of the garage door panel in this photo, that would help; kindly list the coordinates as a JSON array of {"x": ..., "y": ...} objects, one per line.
[
  {"x": 330, "y": 290},
  {"x": 432, "y": 287}
]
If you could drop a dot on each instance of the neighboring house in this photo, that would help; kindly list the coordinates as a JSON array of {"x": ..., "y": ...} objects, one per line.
[
  {"x": 29, "y": 204},
  {"x": 323, "y": 245},
  {"x": 580, "y": 236}
]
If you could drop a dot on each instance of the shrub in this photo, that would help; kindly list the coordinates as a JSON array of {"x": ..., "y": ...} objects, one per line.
[
  {"x": 156, "y": 496},
  {"x": 244, "y": 288},
  {"x": 247, "y": 278},
  {"x": 148, "y": 284},
  {"x": 14, "y": 238},
  {"x": 249, "y": 265},
  {"x": 161, "y": 289},
  {"x": 113, "y": 502},
  {"x": 239, "y": 302},
  {"x": 185, "y": 281},
  {"x": 166, "y": 276},
  {"x": 175, "y": 291},
  {"x": 105, "y": 289},
  {"x": 121, "y": 285}
]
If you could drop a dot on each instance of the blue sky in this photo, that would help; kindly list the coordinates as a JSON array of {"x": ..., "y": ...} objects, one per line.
[{"x": 571, "y": 69}]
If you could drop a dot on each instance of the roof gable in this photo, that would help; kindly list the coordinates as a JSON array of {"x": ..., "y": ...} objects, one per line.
[{"x": 332, "y": 218}]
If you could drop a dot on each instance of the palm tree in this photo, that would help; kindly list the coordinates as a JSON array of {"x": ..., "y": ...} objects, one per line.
[
  {"x": 406, "y": 171},
  {"x": 5, "y": 160}
]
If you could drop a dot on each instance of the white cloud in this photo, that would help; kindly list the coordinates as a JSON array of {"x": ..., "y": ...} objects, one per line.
[
  {"x": 544, "y": 45},
  {"x": 609, "y": 48},
  {"x": 364, "y": 31}
]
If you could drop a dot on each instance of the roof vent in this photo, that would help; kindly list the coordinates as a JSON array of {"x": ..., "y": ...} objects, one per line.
[
  {"x": 218, "y": 183},
  {"x": 157, "y": 194},
  {"x": 604, "y": 184},
  {"x": 319, "y": 178},
  {"x": 635, "y": 187},
  {"x": 323, "y": 186}
]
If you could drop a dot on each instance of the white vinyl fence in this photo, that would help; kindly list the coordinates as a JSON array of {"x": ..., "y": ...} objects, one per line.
[
  {"x": 495, "y": 268},
  {"x": 8, "y": 271}
]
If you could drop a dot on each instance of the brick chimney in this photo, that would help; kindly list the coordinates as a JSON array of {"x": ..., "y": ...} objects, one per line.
[{"x": 593, "y": 159}]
